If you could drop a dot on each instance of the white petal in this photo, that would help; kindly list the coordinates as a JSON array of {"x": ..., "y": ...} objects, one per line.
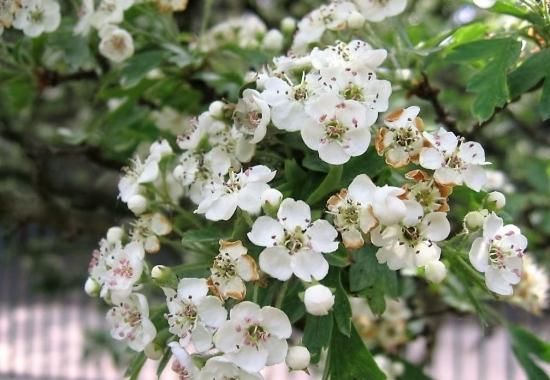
[
  {"x": 414, "y": 214},
  {"x": 227, "y": 339},
  {"x": 276, "y": 262},
  {"x": 437, "y": 226},
  {"x": 447, "y": 176},
  {"x": 249, "y": 198},
  {"x": 294, "y": 214},
  {"x": 357, "y": 141},
  {"x": 201, "y": 338},
  {"x": 150, "y": 172},
  {"x": 333, "y": 153},
  {"x": 425, "y": 253},
  {"x": 249, "y": 358},
  {"x": 322, "y": 235},
  {"x": 497, "y": 283},
  {"x": 491, "y": 226},
  {"x": 211, "y": 311},
  {"x": 222, "y": 208},
  {"x": 192, "y": 289},
  {"x": 276, "y": 322},
  {"x": 362, "y": 189},
  {"x": 312, "y": 134},
  {"x": 475, "y": 177},
  {"x": 308, "y": 265},
  {"x": 472, "y": 153},
  {"x": 266, "y": 232},
  {"x": 246, "y": 311},
  {"x": 430, "y": 158},
  {"x": 277, "y": 350},
  {"x": 479, "y": 254}
]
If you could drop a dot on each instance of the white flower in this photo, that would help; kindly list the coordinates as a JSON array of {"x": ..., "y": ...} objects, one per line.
[
  {"x": 496, "y": 200},
  {"x": 411, "y": 243},
  {"x": 137, "y": 174},
  {"x": 129, "y": 322},
  {"x": 378, "y": 10},
  {"x": 114, "y": 234},
  {"x": 183, "y": 364},
  {"x": 220, "y": 368},
  {"x": 148, "y": 227},
  {"x": 273, "y": 40},
  {"x": 243, "y": 189},
  {"x": 252, "y": 337},
  {"x": 230, "y": 269},
  {"x": 37, "y": 16},
  {"x": 498, "y": 254},
  {"x": 116, "y": 43},
  {"x": 251, "y": 116},
  {"x": 474, "y": 220},
  {"x": 454, "y": 160},
  {"x": 402, "y": 141},
  {"x": 196, "y": 170},
  {"x": 293, "y": 243},
  {"x": 318, "y": 300},
  {"x": 340, "y": 129},
  {"x": 333, "y": 16},
  {"x": 431, "y": 195},
  {"x": 297, "y": 358},
  {"x": 192, "y": 314},
  {"x": 109, "y": 12},
  {"x": 85, "y": 15},
  {"x": 8, "y": 8},
  {"x": 532, "y": 291},
  {"x": 117, "y": 268},
  {"x": 245, "y": 31},
  {"x": 137, "y": 204}
]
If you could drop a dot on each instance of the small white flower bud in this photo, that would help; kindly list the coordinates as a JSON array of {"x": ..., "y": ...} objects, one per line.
[
  {"x": 92, "y": 287},
  {"x": 288, "y": 25},
  {"x": 474, "y": 220},
  {"x": 496, "y": 200},
  {"x": 163, "y": 276},
  {"x": 272, "y": 197},
  {"x": 273, "y": 40},
  {"x": 318, "y": 300},
  {"x": 435, "y": 271},
  {"x": 151, "y": 244},
  {"x": 137, "y": 204},
  {"x": 216, "y": 108},
  {"x": 114, "y": 234},
  {"x": 154, "y": 74},
  {"x": 153, "y": 351},
  {"x": 250, "y": 77},
  {"x": 297, "y": 358},
  {"x": 160, "y": 225},
  {"x": 356, "y": 20}
]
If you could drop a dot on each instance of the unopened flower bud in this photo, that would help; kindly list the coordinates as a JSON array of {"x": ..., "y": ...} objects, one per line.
[
  {"x": 160, "y": 225},
  {"x": 496, "y": 200},
  {"x": 288, "y": 25},
  {"x": 250, "y": 77},
  {"x": 435, "y": 271},
  {"x": 216, "y": 108},
  {"x": 137, "y": 204},
  {"x": 474, "y": 220},
  {"x": 485, "y": 3},
  {"x": 153, "y": 351},
  {"x": 114, "y": 234},
  {"x": 92, "y": 287},
  {"x": 152, "y": 244},
  {"x": 273, "y": 40},
  {"x": 356, "y": 20},
  {"x": 271, "y": 199},
  {"x": 297, "y": 358},
  {"x": 164, "y": 276},
  {"x": 318, "y": 300}
]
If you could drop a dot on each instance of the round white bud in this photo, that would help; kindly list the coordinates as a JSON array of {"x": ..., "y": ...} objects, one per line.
[
  {"x": 216, "y": 108},
  {"x": 485, "y": 3},
  {"x": 272, "y": 197},
  {"x": 435, "y": 271},
  {"x": 356, "y": 20},
  {"x": 496, "y": 200},
  {"x": 297, "y": 358},
  {"x": 288, "y": 25},
  {"x": 474, "y": 220},
  {"x": 114, "y": 234},
  {"x": 250, "y": 76},
  {"x": 161, "y": 148},
  {"x": 273, "y": 40},
  {"x": 153, "y": 351},
  {"x": 137, "y": 204},
  {"x": 318, "y": 300},
  {"x": 92, "y": 287}
]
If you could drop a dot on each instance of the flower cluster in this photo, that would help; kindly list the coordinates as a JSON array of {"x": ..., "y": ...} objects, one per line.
[
  {"x": 330, "y": 99},
  {"x": 33, "y": 17}
]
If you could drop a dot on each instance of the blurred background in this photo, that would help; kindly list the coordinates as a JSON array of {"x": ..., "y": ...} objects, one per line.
[{"x": 64, "y": 137}]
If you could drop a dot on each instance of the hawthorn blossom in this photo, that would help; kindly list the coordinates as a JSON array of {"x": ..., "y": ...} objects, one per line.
[
  {"x": 243, "y": 189},
  {"x": 147, "y": 229},
  {"x": 340, "y": 128},
  {"x": 498, "y": 254},
  {"x": 85, "y": 15},
  {"x": 220, "y": 368},
  {"x": 252, "y": 337},
  {"x": 37, "y": 16},
  {"x": 192, "y": 314},
  {"x": 411, "y": 243},
  {"x": 183, "y": 365},
  {"x": 245, "y": 31},
  {"x": 231, "y": 268},
  {"x": 454, "y": 160},
  {"x": 531, "y": 293},
  {"x": 431, "y": 195},
  {"x": 116, "y": 43},
  {"x": 109, "y": 12},
  {"x": 251, "y": 116},
  {"x": 293, "y": 243},
  {"x": 402, "y": 140},
  {"x": 318, "y": 300},
  {"x": 129, "y": 322},
  {"x": 117, "y": 268},
  {"x": 378, "y": 10},
  {"x": 8, "y": 9}
]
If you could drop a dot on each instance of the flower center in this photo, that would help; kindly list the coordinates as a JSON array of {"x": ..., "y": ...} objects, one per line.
[
  {"x": 255, "y": 334},
  {"x": 406, "y": 137},
  {"x": 353, "y": 92},
  {"x": 36, "y": 16},
  {"x": 349, "y": 215},
  {"x": 411, "y": 234},
  {"x": 428, "y": 196},
  {"x": 224, "y": 266},
  {"x": 455, "y": 162},
  {"x": 294, "y": 241},
  {"x": 300, "y": 92},
  {"x": 335, "y": 130}
]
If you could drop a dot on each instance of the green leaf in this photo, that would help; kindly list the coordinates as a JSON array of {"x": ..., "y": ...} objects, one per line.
[
  {"x": 528, "y": 342},
  {"x": 534, "y": 70},
  {"x": 349, "y": 359},
  {"x": 330, "y": 184},
  {"x": 363, "y": 270},
  {"x": 532, "y": 370},
  {"x": 135, "y": 366},
  {"x": 490, "y": 83},
  {"x": 513, "y": 8},
  {"x": 317, "y": 334},
  {"x": 411, "y": 371},
  {"x": 342, "y": 310},
  {"x": 139, "y": 65},
  {"x": 201, "y": 236}
]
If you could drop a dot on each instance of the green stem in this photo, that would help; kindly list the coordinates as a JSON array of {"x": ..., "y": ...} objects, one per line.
[{"x": 281, "y": 295}]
